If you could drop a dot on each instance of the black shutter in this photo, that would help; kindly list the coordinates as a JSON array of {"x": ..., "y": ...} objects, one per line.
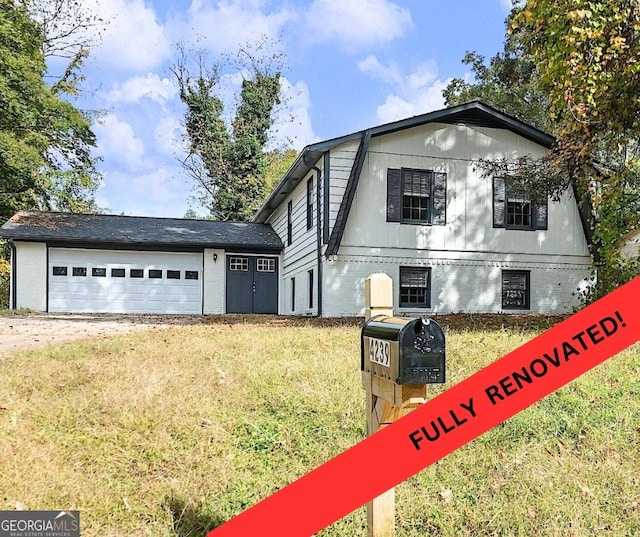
[
  {"x": 499, "y": 195},
  {"x": 394, "y": 195},
  {"x": 541, "y": 215},
  {"x": 439, "y": 199}
]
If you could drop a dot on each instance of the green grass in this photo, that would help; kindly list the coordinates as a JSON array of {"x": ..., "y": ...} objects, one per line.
[{"x": 171, "y": 432}]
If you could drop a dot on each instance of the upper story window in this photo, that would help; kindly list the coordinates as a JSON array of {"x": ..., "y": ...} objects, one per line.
[
  {"x": 289, "y": 223},
  {"x": 416, "y": 196},
  {"x": 513, "y": 207},
  {"x": 310, "y": 203}
]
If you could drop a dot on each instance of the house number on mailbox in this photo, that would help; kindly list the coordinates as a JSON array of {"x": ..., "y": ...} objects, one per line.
[{"x": 379, "y": 351}]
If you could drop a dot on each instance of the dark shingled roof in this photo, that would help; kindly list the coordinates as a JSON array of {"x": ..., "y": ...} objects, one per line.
[{"x": 130, "y": 231}]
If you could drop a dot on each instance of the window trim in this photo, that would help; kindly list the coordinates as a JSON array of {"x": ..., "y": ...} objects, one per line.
[
  {"x": 309, "y": 203},
  {"x": 289, "y": 223},
  {"x": 516, "y": 272},
  {"x": 404, "y": 177},
  {"x": 415, "y": 305},
  {"x": 538, "y": 212},
  {"x": 436, "y": 198}
]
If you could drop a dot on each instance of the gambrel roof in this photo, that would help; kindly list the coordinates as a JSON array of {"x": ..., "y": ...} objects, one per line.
[{"x": 474, "y": 113}]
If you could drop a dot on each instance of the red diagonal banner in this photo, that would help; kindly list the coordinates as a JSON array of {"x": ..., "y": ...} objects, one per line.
[{"x": 447, "y": 422}]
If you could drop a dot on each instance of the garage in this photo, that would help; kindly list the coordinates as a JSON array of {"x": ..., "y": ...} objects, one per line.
[
  {"x": 108, "y": 281},
  {"x": 97, "y": 263}
]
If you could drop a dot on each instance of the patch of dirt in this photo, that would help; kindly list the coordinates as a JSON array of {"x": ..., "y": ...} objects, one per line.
[{"x": 19, "y": 331}]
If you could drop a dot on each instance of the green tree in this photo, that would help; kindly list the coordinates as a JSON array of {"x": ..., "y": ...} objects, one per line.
[
  {"x": 277, "y": 164},
  {"x": 228, "y": 163},
  {"x": 45, "y": 142}
]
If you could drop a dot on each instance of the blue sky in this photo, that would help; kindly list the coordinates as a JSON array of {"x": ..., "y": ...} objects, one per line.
[{"x": 351, "y": 64}]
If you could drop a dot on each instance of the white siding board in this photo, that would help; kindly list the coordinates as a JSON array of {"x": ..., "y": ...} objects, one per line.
[
  {"x": 301, "y": 256},
  {"x": 214, "y": 281},
  {"x": 456, "y": 285},
  {"x": 31, "y": 279},
  {"x": 469, "y": 196}
]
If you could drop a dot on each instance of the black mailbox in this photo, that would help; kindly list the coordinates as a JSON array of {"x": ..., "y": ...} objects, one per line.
[{"x": 404, "y": 351}]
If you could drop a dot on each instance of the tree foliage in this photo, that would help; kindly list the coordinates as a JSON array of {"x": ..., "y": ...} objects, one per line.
[
  {"x": 45, "y": 142},
  {"x": 228, "y": 162}
]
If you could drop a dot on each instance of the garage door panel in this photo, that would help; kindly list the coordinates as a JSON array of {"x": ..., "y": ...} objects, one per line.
[{"x": 109, "y": 286}]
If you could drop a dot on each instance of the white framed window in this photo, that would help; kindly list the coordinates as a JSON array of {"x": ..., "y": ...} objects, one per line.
[
  {"x": 415, "y": 287},
  {"x": 266, "y": 264},
  {"x": 240, "y": 264},
  {"x": 516, "y": 289}
]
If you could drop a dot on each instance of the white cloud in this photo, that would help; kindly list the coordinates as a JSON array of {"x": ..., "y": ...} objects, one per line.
[
  {"x": 117, "y": 142},
  {"x": 390, "y": 74},
  {"x": 416, "y": 92},
  {"x": 150, "y": 86},
  {"x": 133, "y": 38},
  {"x": 356, "y": 23},
  {"x": 162, "y": 192},
  {"x": 223, "y": 26},
  {"x": 427, "y": 100},
  {"x": 168, "y": 136},
  {"x": 292, "y": 123}
]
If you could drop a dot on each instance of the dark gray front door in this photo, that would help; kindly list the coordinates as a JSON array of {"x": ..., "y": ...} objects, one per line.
[{"x": 252, "y": 284}]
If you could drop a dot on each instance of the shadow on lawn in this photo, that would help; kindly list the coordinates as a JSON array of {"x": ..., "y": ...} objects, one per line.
[{"x": 189, "y": 521}]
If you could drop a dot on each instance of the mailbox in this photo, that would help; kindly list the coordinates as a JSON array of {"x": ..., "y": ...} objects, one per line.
[{"x": 404, "y": 351}]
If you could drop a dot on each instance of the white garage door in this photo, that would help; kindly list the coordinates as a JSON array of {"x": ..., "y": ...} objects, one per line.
[{"x": 123, "y": 281}]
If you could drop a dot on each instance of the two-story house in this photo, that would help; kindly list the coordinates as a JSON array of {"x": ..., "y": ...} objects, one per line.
[
  {"x": 403, "y": 198},
  {"x": 407, "y": 199}
]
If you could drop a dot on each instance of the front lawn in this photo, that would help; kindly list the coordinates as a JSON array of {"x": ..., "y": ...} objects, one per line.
[{"x": 170, "y": 432}]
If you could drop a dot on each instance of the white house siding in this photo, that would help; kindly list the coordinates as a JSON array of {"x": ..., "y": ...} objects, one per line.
[
  {"x": 301, "y": 256},
  {"x": 467, "y": 254},
  {"x": 341, "y": 159},
  {"x": 469, "y": 284},
  {"x": 214, "y": 281},
  {"x": 31, "y": 280},
  {"x": 469, "y": 228}
]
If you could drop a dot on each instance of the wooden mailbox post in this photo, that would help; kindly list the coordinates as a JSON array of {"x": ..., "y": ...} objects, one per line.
[{"x": 386, "y": 402}]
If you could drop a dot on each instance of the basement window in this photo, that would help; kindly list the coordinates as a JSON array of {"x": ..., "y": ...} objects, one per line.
[
  {"x": 59, "y": 271},
  {"x": 79, "y": 271},
  {"x": 516, "y": 289},
  {"x": 415, "y": 287}
]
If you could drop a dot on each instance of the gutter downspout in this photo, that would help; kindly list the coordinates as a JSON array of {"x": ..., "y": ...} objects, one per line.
[{"x": 318, "y": 237}]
